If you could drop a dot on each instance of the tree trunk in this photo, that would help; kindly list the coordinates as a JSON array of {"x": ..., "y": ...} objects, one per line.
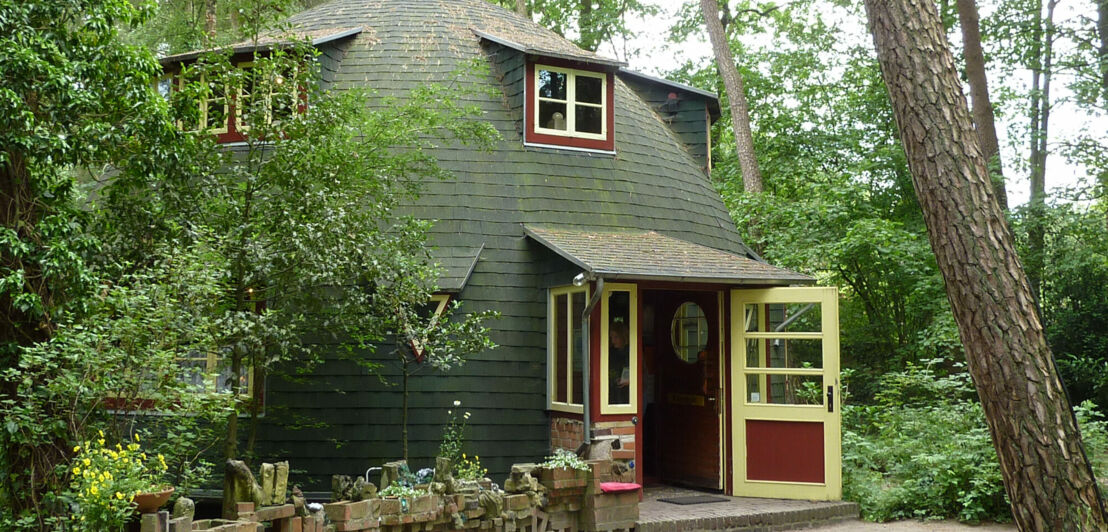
[
  {"x": 1102, "y": 31},
  {"x": 733, "y": 84},
  {"x": 404, "y": 411},
  {"x": 983, "y": 117},
  {"x": 1046, "y": 473},
  {"x": 521, "y": 8},
  {"x": 1041, "y": 68},
  {"x": 209, "y": 17}
]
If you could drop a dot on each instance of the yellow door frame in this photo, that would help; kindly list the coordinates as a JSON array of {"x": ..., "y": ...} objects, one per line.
[{"x": 743, "y": 410}]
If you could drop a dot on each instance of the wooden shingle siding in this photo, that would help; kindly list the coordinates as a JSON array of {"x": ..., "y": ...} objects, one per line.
[{"x": 653, "y": 182}]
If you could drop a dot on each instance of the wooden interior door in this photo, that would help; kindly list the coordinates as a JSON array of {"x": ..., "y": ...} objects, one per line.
[
  {"x": 688, "y": 384},
  {"x": 785, "y": 399}
]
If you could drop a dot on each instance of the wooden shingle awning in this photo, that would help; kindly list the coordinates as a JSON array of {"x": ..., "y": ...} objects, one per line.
[
  {"x": 647, "y": 255},
  {"x": 269, "y": 42},
  {"x": 456, "y": 265}
]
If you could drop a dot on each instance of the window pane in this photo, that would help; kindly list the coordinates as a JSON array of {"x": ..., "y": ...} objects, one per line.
[
  {"x": 619, "y": 352},
  {"x": 552, "y": 115},
  {"x": 589, "y": 119},
  {"x": 578, "y": 340},
  {"x": 165, "y": 87},
  {"x": 589, "y": 89},
  {"x": 193, "y": 373},
  {"x": 552, "y": 84},
  {"x": 784, "y": 353},
  {"x": 561, "y": 349},
  {"x": 223, "y": 382},
  {"x": 217, "y": 107},
  {"x": 794, "y": 317},
  {"x": 784, "y": 389}
]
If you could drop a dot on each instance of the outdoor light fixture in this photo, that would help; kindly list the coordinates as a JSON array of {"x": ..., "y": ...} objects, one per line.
[{"x": 579, "y": 279}]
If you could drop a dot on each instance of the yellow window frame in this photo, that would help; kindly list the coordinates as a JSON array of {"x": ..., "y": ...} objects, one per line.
[
  {"x": 551, "y": 349},
  {"x": 202, "y": 121},
  {"x": 571, "y": 103},
  {"x": 241, "y": 94},
  {"x": 632, "y": 349}
]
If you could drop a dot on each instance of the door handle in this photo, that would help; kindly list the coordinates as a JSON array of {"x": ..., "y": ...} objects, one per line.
[{"x": 830, "y": 398}]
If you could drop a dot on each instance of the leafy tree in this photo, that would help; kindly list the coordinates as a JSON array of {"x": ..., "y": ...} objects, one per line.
[
  {"x": 70, "y": 99},
  {"x": 304, "y": 215},
  {"x": 838, "y": 200},
  {"x": 588, "y": 23}
]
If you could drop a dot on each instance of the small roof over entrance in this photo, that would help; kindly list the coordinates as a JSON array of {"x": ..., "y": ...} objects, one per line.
[{"x": 647, "y": 255}]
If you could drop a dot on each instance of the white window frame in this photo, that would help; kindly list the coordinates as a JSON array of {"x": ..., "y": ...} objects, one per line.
[
  {"x": 551, "y": 349},
  {"x": 571, "y": 103}
]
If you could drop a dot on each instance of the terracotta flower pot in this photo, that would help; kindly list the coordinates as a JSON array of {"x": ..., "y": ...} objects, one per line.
[{"x": 150, "y": 502}]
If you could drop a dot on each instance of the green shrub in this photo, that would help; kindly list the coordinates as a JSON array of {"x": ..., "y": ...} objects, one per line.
[{"x": 923, "y": 451}]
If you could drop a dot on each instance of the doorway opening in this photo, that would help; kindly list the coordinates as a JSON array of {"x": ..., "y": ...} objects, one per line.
[{"x": 683, "y": 388}]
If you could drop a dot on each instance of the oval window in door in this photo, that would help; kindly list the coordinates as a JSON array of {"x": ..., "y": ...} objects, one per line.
[{"x": 689, "y": 332}]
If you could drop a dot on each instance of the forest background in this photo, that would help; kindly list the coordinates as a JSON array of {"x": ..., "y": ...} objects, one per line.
[{"x": 838, "y": 203}]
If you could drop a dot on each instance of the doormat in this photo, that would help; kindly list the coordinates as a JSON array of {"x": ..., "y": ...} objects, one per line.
[{"x": 692, "y": 499}]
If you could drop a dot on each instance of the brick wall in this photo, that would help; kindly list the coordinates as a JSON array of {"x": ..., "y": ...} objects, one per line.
[
  {"x": 566, "y": 433},
  {"x": 625, "y": 430}
]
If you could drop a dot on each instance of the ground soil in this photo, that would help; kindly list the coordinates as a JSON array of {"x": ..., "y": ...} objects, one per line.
[{"x": 915, "y": 526}]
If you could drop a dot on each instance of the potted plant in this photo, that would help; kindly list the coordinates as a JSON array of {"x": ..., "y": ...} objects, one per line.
[
  {"x": 564, "y": 469},
  {"x": 109, "y": 483}
]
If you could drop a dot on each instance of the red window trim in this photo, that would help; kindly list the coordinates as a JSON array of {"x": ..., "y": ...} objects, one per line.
[
  {"x": 233, "y": 134},
  {"x": 530, "y": 136}
]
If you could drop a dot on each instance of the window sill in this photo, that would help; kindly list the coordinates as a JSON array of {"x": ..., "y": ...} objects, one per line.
[{"x": 568, "y": 148}]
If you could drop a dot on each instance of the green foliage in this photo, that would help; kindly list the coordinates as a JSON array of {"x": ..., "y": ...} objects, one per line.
[
  {"x": 923, "y": 450},
  {"x": 126, "y": 353},
  {"x": 470, "y": 469},
  {"x": 397, "y": 489},
  {"x": 839, "y": 202},
  {"x": 106, "y": 480},
  {"x": 564, "y": 459},
  {"x": 453, "y": 434},
  {"x": 303, "y": 216},
  {"x": 1073, "y": 301},
  {"x": 1094, "y": 435},
  {"x": 589, "y": 24}
]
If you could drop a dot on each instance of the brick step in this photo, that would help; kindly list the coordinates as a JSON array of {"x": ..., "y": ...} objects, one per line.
[{"x": 738, "y": 517}]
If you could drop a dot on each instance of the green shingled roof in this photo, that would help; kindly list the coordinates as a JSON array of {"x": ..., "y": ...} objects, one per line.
[
  {"x": 640, "y": 255},
  {"x": 651, "y": 183}
]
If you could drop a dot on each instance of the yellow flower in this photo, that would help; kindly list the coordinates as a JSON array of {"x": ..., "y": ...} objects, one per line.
[
  {"x": 137, "y": 437},
  {"x": 143, "y": 455},
  {"x": 119, "y": 447},
  {"x": 87, "y": 462},
  {"x": 76, "y": 471},
  {"x": 77, "y": 448},
  {"x": 101, "y": 433},
  {"x": 100, "y": 441},
  {"x": 93, "y": 490},
  {"x": 119, "y": 495}
]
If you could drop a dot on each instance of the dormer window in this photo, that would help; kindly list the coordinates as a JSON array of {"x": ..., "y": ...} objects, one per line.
[{"x": 569, "y": 107}]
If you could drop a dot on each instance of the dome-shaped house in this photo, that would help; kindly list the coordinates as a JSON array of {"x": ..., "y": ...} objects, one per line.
[{"x": 631, "y": 309}]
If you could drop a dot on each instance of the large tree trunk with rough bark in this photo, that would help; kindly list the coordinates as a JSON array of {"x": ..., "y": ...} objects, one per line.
[
  {"x": 521, "y": 8},
  {"x": 733, "y": 84},
  {"x": 1046, "y": 473},
  {"x": 983, "y": 117}
]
